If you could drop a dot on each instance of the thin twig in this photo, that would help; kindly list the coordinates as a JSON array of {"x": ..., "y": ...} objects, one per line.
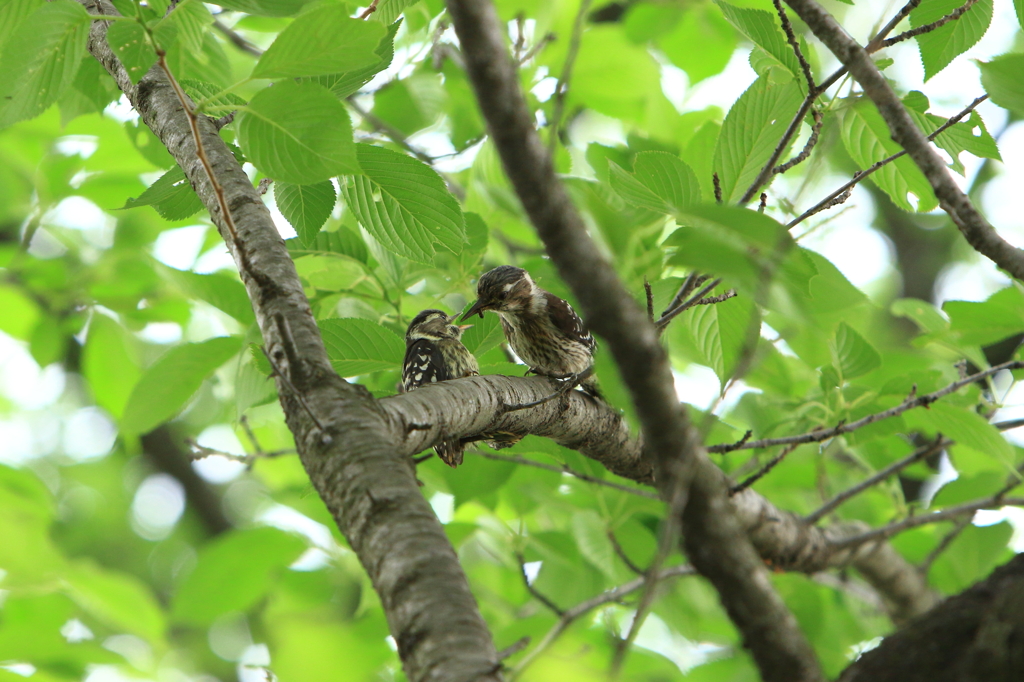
[
  {"x": 793, "y": 43},
  {"x": 717, "y": 182},
  {"x": 763, "y": 203},
  {"x": 876, "y": 42},
  {"x": 237, "y": 39},
  {"x": 202, "y": 452},
  {"x": 564, "y": 469},
  {"x": 622, "y": 554},
  {"x": 562, "y": 86},
  {"x": 689, "y": 284},
  {"x": 944, "y": 544},
  {"x": 825, "y": 434},
  {"x": 939, "y": 444},
  {"x": 325, "y": 437},
  {"x": 927, "y": 28},
  {"x": 537, "y": 594},
  {"x": 841, "y": 194},
  {"x": 686, "y": 305},
  {"x": 650, "y": 300},
  {"x": 806, "y": 152},
  {"x": 611, "y": 596},
  {"x": 369, "y": 10},
  {"x": 515, "y": 648},
  {"x": 537, "y": 47},
  {"x": 244, "y": 423},
  {"x": 760, "y": 473}
]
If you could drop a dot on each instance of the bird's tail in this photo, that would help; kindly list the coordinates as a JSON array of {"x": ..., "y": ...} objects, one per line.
[{"x": 450, "y": 451}]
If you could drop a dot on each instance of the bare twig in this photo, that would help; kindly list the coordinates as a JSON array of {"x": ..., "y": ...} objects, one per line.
[
  {"x": 717, "y": 182},
  {"x": 202, "y": 452},
  {"x": 611, "y": 596},
  {"x": 650, "y": 300},
  {"x": 843, "y": 193},
  {"x": 910, "y": 403},
  {"x": 944, "y": 544},
  {"x": 514, "y": 648},
  {"x": 689, "y": 284},
  {"x": 771, "y": 464},
  {"x": 622, "y": 554},
  {"x": 793, "y": 43},
  {"x": 237, "y": 39},
  {"x": 564, "y": 469},
  {"x": 939, "y": 444},
  {"x": 664, "y": 320},
  {"x": 324, "y": 436},
  {"x": 537, "y": 47},
  {"x": 562, "y": 86},
  {"x": 763, "y": 203},
  {"x": 806, "y": 151},
  {"x": 927, "y": 28},
  {"x": 537, "y": 594},
  {"x": 369, "y": 10}
]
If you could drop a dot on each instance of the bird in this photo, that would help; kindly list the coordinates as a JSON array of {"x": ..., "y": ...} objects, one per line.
[
  {"x": 542, "y": 329},
  {"x": 434, "y": 352}
]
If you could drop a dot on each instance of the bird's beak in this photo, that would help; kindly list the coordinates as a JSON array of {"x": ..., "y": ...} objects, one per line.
[
  {"x": 464, "y": 327},
  {"x": 477, "y": 308}
]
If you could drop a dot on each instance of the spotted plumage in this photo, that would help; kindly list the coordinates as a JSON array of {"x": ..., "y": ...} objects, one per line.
[
  {"x": 434, "y": 352},
  {"x": 540, "y": 327}
]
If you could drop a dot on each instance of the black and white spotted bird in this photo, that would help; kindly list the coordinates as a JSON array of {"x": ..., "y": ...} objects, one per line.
[
  {"x": 434, "y": 352},
  {"x": 542, "y": 329}
]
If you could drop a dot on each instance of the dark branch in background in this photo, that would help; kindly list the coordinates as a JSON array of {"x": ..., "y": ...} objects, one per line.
[
  {"x": 622, "y": 554},
  {"x": 806, "y": 151},
  {"x": 696, "y": 299},
  {"x": 237, "y": 39},
  {"x": 975, "y": 228},
  {"x": 537, "y": 594},
  {"x": 911, "y": 402},
  {"x": 713, "y": 539},
  {"x": 562, "y": 86},
  {"x": 368, "y": 487},
  {"x": 763, "y": 471},
  {"x": 768, "y": 170},
  {"x": 843, "y": 192}
]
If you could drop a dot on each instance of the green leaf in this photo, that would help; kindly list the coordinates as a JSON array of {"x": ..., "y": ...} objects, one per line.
[
  {"x": 265, "y": 8},
  {"x": 357, "y": 346},
  {"x": 404, "y": 204},
  {"x": 223, "y": 292},
  {"x": 971, "y": 557},
  {"x": 388, "y": 10},
  {"x": 130, "y": 43},
  {"x": 851, "y": 353},
  {"x": 762, "y": 29},
  {"x": 924, "y": 315},
  {"x": 719, "y": 333},
  {"x": 1002, "y": 81},
  {"x": 944, "y": 44},
  {"x": 192, "y": 20},
  {"x": 215, "y": 96},
  {"x": 1018, "y": 6},
  {"x": 341, "y": 242},
  {"x": 40, "y": 63},
  {"x": 120, "y": 601},
  {"x": 12, "y": 13},
  {"x": 27, "y": 554},
  {"x": 171, "y": 195},
  {"x": 168, "y": 384},
  {"x": 484, "y": 335},
  {"x": 20, "y": 313},
  {"x": 660, "y": 182},
  {"x": 989, "y": 321},
  {"x": 967, "y": 428},
  {"x": 233, "y": 572},
  {"x": 306, "y": 207},
  {"x": 703, "y": 25},
  {"x": 750, "y": 133},
  {"x": 110, "y": 364},
  {"x": 282, "y": 131},
  {"x": 868, "y": 140},
  {"x": 322, "y": 41},
  {"x": 348, "y": 82}
]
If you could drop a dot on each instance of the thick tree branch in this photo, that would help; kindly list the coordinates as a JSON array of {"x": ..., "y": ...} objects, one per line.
[
  {"x": 369, "y": 489},
  {"x": 975, "y": 228},
  {"x": 713, "y": 540}
]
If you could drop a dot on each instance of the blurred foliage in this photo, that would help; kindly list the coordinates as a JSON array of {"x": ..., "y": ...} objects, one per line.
[{"x": 120, "y": 311}]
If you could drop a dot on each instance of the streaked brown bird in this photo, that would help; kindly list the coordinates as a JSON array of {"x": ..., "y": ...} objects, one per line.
[
  {"x": 540, "y": 327},
  {"x": 434, "y": 352}
]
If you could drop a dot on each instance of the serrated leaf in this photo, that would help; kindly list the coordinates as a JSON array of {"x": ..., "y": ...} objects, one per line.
[
  {"x": 660, "y": 182},
  {"x": 988, "y": 321},
  {"x": 232, "y": 572},
  {"x": 388, "y": 10},
  {"x": 201, "y": 90},
  {"x": 719, "y": 333},
  {"x": 341, "y": 242},
  {"x": 851, "y": 353},
  {"x": 762, "y": 29},
  {"x": 868, "y": 140},
  {"x": 944, "y": 44},
  {"x": 357, "y": 346},
  {"x": 322, "y": 41},
  {"x": 1002, "y": 81},
  {"x": 39, "y": 64},
  {"x": 167, "y": 385},
  {"x": 966, "y": 427},
  {"x": 129, "y": 42},
  {"x": 348, "y": 82},
  {"x": 484, "y": 335},
  {"x": 750, "y": 133},
  {"x": 404, "y": 204},
  {"x": 1018, "y": 8},
  {"x": 306, "y": 207},
  {"x": 282, "y": 132},
  {"x": 223, "y": 292},
  {"x": 191, "y": 19},
  {"x": 171, "y": 195}
]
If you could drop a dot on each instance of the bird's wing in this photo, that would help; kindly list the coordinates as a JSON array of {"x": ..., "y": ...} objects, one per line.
[
  {"x": 423, "y": 365},
  {"x": 566, "y": 319}
]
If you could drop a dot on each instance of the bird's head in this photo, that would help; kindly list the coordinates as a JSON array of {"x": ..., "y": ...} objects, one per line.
[
  {"x": 434, "y": 325},
  {"x": 505, "y": 289}
]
